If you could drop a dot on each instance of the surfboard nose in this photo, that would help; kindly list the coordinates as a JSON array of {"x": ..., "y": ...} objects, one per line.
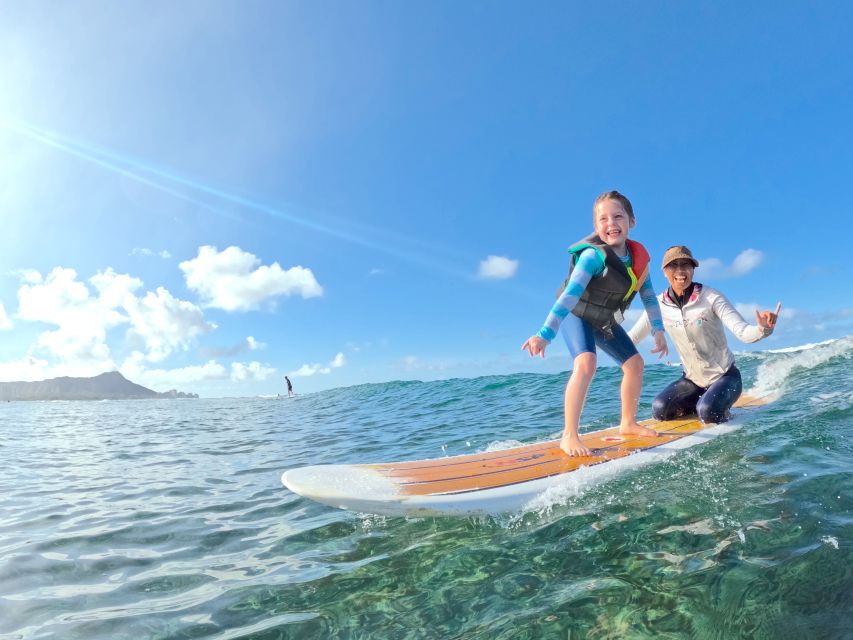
[{"x": 340, "y": 485}]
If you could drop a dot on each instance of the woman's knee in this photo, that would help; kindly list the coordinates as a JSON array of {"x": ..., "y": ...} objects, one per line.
[
  {"x": 711, "y": 413},
  {"x": 677, "y": 400},
  {"x": 715, "y": 404},
  {"x": 659, "y": 409},
  {"x": 662, "y": 409}
]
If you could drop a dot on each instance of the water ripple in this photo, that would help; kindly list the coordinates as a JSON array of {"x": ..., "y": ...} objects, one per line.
[{"x": 158, "y": 519}]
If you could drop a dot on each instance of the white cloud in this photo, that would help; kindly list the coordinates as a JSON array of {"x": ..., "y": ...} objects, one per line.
[
  {"x": 134, "y": 369},
  {"x": 744, "y": 262},
  {"x": 164, "y": 323},
  {"x": 30, "y": 276},
  {"x": 233, "y": 281},
  {"x": 43, "y": 300},
  {"x": 249, "y": 344},
  {"x": 310, "y": 369},
  {"x": 31, "y": 368},
  {"x": 114, "y": 289},
  {"x": 145, "y": 252},
  {"x": 82, "y": 320},
  {"x": 252, "y": 371},
  {"x": 158, "y": 320},
  {"x": 84, "y": 313},
  {"x": 5, "y": 322},
  {"x": 25, "y": 370},
  {"x": 498, "y": 268}
]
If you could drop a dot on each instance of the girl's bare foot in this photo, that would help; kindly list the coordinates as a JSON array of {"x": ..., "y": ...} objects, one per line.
[
  {"x": 572, "y": 446},
  {"x": 635, "y": 429}
]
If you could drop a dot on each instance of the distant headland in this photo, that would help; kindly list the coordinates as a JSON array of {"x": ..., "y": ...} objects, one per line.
[{"x": 107, "y": 386}]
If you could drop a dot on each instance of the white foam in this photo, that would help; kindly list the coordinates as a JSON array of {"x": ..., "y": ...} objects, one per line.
[
  {"x": 573, "y": 484},
  {"x": 773, "y": 373},
  {"x": 701, "y": 527},
  {"x": 501, "y": 445},
  {"x": 841, "y": 400},
  {"x": 830, "y": 540},
  {"x": 802, "y": 347}
]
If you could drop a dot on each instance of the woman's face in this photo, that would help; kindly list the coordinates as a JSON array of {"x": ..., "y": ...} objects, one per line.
[{"x": 679, "y": 273}]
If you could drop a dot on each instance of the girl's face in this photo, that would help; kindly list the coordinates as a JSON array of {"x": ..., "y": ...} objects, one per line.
[{"x": 612, "y": 223}]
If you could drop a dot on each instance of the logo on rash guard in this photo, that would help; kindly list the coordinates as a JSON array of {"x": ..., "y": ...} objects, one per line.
[{"x": 677, "y": 324}]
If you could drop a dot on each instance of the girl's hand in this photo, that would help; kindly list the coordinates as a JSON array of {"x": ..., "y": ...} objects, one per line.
[
  {"x": 661, "y": 346},
  {"x": 535, "y": 345},
  {"x": 767, "y": 320}
]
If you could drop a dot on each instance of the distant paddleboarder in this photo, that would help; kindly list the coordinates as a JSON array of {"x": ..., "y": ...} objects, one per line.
[{"x": 289, "y": 387}]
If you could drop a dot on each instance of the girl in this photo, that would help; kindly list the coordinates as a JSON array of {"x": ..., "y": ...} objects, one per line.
[{"x": 607, "y": 271}]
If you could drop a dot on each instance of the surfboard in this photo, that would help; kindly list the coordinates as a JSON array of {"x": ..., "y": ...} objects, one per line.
[{"x": 496, "y": 481}]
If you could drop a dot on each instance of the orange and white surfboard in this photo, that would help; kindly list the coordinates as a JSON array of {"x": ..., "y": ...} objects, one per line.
[{"x": 497, "y": 481}]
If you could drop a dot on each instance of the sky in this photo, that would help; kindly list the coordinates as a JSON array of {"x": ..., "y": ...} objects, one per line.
[{"x": 209, "y": 196}]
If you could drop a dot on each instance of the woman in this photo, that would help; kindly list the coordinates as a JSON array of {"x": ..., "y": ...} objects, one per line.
[{"x": 694, "y": 316}]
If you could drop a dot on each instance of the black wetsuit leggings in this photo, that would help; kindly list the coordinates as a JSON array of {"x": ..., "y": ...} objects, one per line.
[{"x": 711, "y": 404}]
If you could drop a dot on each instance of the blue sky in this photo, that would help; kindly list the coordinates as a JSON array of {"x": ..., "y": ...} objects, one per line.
[{"x": 208, "y": 195}]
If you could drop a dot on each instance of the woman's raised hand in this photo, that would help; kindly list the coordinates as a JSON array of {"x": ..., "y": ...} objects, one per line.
[{"x": 767, "y": 319}]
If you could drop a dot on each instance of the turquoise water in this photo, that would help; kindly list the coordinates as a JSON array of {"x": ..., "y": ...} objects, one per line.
[{"x": 166, "y": 519}]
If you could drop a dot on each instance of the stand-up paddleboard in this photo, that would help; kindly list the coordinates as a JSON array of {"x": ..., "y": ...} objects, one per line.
[{"x": 493, "y": 482}]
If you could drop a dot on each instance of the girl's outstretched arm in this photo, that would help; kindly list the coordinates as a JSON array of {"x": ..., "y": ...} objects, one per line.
[{"x": 590, "y": 263}]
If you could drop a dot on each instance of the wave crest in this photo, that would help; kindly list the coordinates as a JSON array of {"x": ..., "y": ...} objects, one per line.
[{"x": 777, "y": 369}]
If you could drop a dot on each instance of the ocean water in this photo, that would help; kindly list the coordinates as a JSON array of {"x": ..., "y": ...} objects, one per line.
[{"x": 166, "y": 519}]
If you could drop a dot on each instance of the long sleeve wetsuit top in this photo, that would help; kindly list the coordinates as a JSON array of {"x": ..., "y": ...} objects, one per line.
[
  {"x": 696, "y": 330},
  {"x": 590, "y": 263}
]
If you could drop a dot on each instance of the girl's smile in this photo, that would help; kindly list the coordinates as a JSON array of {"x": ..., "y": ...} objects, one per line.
[{"x": 612, "y": 223}]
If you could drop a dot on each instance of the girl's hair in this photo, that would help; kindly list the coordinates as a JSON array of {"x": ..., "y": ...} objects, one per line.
[{"x": 615, "y": 195}]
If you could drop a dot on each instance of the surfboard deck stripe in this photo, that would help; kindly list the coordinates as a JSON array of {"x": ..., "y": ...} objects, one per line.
[
  {"x": 436, "y": 463},
  {"x": 489, "y": 482},
  {"x": 475, "y": 472},
  {"x": 476, "y": 475}
]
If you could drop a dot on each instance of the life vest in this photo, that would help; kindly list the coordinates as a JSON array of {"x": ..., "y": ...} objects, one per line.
[{"x": 609, "y": 294}]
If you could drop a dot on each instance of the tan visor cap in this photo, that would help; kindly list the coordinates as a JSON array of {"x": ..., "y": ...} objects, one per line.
[{"x": 678, "y": 252}]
